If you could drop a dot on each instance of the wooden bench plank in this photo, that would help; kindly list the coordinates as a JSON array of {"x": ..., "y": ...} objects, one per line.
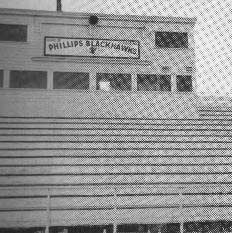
[
  {"x": 99, "y": 138},
  {"x": 114, "y": 132},
  {"x": 115, "y": 152},
  {"x": 125, "y": 145},
  {"x": 131, "y": 161},
  {"x": 115, "y": 169},
  {"x": 57, "y": 180}
]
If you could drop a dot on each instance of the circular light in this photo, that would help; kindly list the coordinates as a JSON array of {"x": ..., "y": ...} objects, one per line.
[{"x": 93, "y": 19}]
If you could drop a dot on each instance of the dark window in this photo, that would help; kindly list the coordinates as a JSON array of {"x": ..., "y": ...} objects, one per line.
[
  {"x": 70, "y": 80},
  {"x": 153, "y": 82},
  {"x": 206, "y": 227},
  {"x": 28, "y": 79},
  {"x": 147, "y": 82},
  {"x": 13, "y": 32},
  {"x": 165, "y": 82},
  {"x": 132, "y": 228},
  {"x": 1, "y": 78},
  {"x": 106, "y": 81},
  {"x": 82, "y": 229},
  {"x": 173, "y": 228},
  {"x": 23, "y": 230},
  {"x": 184, "y": 83},
  {"x": 171, "y": 39}
]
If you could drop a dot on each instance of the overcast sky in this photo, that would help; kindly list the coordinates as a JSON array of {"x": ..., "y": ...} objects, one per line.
[{"x": 213, "y": 33}]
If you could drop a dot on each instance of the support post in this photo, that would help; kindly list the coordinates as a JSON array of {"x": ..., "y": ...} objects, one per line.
[
  {"x": 115, "y": 227},
  {"x": 173, "y": 82},
  {"x": 50, "y": 80},
  {"x": 181, "y": 213},
  {"x": 92, "y": 80},
  {"x": 48, "y": 213},
  {"x": 181, "y": 227},
  {"x": 6, "y": 78},
  {"x": 115, "y": 212},
  {"x": 134, "y": 82}
]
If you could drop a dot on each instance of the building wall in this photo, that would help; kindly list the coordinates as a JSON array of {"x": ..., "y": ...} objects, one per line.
[{"x": 30, "y": 56}]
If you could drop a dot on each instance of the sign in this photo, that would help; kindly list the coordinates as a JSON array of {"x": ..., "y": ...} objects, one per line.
[{"x": 84, "y": 47}]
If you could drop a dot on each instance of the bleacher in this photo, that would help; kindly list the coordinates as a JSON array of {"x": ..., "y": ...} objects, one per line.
[{"x": 106, "y": 170}]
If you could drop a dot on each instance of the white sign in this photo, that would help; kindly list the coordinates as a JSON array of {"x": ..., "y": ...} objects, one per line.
[{"x": 83, "y": 47}]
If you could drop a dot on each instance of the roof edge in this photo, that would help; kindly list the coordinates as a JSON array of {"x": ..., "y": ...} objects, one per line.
[{"x": 127, "y": 17}]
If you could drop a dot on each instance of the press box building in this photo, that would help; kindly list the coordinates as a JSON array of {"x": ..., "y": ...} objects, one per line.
[{"x": 101, "y": 129}]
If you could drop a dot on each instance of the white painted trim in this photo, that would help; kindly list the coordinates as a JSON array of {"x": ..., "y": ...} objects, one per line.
[
  {"x": 92, "y": 60},
  {"x": 6, "y": 78}
]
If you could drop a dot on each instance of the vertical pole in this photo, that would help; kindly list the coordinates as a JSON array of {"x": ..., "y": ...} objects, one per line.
[
  {"x": 48, "y": 213},
  {"x": 59, "y": 6},
  {"x": 115, "y": 212},
  {"x": 181, "y": 213},
  {"x": 115, "y": 227},
  {"x": 181, "y": 227}
]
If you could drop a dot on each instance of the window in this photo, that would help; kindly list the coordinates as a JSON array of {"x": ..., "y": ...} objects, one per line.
[
  {"x": 1, "y": 78},
  {"x": 28, "y": 79},
  {"x": 173, "y": 227},
  {"x": 106, "y": 81},
  {"x": 208, "y": 226},
  {"x": 82, "y": 229},
  {"x": 133, "y": 228},
  {"x": 23, "y": 230},
  {"x": 70, "y": 80},
  {"x": 153, "y": 82},
  {"x": 184, "y": 83},
  {"x": 171, "y": 39},
  {"x": 13, "y": 32}
]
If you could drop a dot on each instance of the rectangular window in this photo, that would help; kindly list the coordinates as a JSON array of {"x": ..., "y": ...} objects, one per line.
[
  {"x": 184, "y": 83},
  {"x": 171, "y": 39},
  {"x": 1, "y": 78},
  {"x": 106, "y": 81},
  {"x": 165, "y": 82},
  {"x": 13, "y": 32},
  {"x": 70, "y": 80},
  {"x": 152, "y": 82},
  {"x": 23, "y": 230},
  {"x": 28, "y": 79}
]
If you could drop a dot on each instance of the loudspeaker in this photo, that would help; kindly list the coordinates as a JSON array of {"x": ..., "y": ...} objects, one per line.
[{"x": 93, "y": 19}]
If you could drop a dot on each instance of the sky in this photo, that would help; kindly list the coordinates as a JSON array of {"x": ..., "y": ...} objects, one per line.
[{"x": 213, "y": 31}]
